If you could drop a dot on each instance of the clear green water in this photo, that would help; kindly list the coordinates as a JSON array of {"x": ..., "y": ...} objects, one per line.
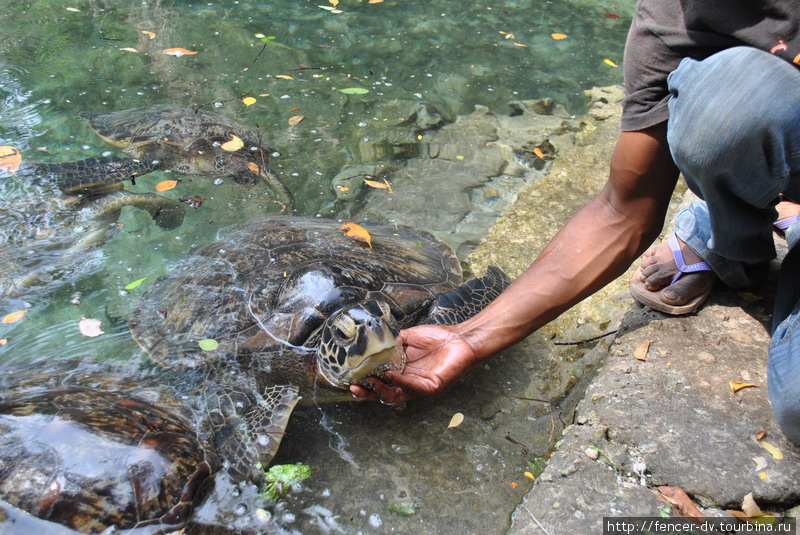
[{"x": 58, "y": 58}]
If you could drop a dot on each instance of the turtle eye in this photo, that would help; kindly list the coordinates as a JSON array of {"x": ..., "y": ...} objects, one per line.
[{"x": 344, "y": 327}]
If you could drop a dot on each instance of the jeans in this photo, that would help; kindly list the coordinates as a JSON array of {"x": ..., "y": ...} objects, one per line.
[{"x": 734, "y": 132}]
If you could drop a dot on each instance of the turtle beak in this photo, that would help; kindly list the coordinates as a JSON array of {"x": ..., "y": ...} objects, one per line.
[{"x": 377, "y": 364}]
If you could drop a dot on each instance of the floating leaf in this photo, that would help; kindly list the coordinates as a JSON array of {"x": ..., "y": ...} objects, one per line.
[
  {"x": 327, "y": 8},
  {"x": 194, "y": 202},
  {"x": 166, "y": 185},
  {"x": 379, "y": 185},
  {"x": 640, "y": 353},
  {"x": 14, "y": 316},
  {"x": 774, "y": 451},
  {"x": 149, "y": 34},
  {"x": 253, "y": 166},
  {"x": 558, "y": 36},
  {"x": 456, "y": 420},
  {"x": 508, "y": 35},
  {"x": 334, "y": 2},
  {"x": 520, "y": 44},
  {"x": 90, "y": 327},
  {"x": 178, "y": 52},
  {"x": 135, "y": 284},
  {"x": 736, "y": 386},
  {"x": 73, "y": 9},
  {"x": 354, "y": 91},
  {"x": 263, "y": 94},
  {"x": 284, "y": 77},
  {"x": 375, "y": 1},
  {"x": 356, "y": 232},
  {"x": 208, "y": 344},
  {"x": 248, "y": 101},
  {"x": 609, "y": 62},
  {"x": 538, "y": 152},
  {"x": 294, "y": 119},
  {"x": 3, "y": 341},
  {"x": 610, "y": 16},
  {"x": 233, "y": 144},
  {"x": 10, "y": 158},
  {"x": 129, "y": 49}
]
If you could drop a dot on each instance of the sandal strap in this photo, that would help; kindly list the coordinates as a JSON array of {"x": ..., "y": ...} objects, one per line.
[{"x": 681, "y": 263}]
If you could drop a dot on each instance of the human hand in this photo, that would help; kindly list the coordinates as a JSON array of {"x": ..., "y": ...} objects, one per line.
[{"x": 437, "y": 356}]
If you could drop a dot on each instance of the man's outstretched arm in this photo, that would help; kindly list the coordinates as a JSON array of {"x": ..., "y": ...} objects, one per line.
[{"x": 596, "y": 246}]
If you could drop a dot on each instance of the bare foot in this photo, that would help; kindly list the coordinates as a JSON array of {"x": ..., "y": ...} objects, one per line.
[
  {"x": 787, "y": 209},
  {"x": 659, "y": 268}
]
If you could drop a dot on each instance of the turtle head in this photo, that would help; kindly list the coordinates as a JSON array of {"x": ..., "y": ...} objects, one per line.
[{"x": 357, "y": 341}]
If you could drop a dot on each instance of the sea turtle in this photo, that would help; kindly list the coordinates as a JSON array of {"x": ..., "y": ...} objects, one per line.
[
  {"x": 90, "y": 447},
  {"x": 42, "y": 236},
  {"x": 296, "y": 306},
  {"x": 164, "y": 136}
]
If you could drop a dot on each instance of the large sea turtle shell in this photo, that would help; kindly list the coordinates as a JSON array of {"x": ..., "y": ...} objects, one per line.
[
  {"x": 89, "y": 448},
  {"x": 285, "y": 275}
]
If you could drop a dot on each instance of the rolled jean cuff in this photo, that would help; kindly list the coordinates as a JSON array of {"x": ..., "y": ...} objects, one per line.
[{"x": 693, "y": 226}]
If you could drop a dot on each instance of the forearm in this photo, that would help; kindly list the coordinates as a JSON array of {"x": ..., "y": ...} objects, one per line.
[{"x": 597, "y": 245}]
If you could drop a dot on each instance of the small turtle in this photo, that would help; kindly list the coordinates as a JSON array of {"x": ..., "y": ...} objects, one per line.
[
  {"x": 163, "y": 136},
  {"x": 44, "y": 237},
  {"x": 96, "y": 449},
  {"x": 296, "y": 306}
]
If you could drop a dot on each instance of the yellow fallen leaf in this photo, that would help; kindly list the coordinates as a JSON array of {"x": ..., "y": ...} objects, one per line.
[
  {"x": 379, "y": 185},
  {"x": 507, "y": 35},
  {"x": 254, "y": 168},
  {"x": 456, "y": 420},
  {"x": 538, "y": 152},
  {"x": 356, "y": 232},
  {"x": 233, "y": 144},
  {"x": 149, "y": 34},
  {"x": 248, "y": 101},
  {"x": 609, "y": 62},
  {"x": 558, "y": 36},
  {"x": 334, "y": 2},
  {"x": 763, "y": 476},
  {"x": 263, "y": 94},
  {"x": 530, "y": 476},
  {"x": 90, "y": 327},
  {"x": 640, "y": 353},
  {"x": 736, "y": 386},
  {"x": 775, "y": 452},
  {"x": 344, "y": 188},
  {"x": 14, "y": 316},
  {"x": 294, "y": 119},
  {"x": 166, "y": 185},
  {"x": 178, "y": 52},
  {"x": 375, "y": 1},
  {"x": 681, "y": 503},
  {"x": 284, "y": 77},
  {"x": 3, "y": 341},
  {"x": 129, "y": 49},
  {"x": 10, "y": 158}
]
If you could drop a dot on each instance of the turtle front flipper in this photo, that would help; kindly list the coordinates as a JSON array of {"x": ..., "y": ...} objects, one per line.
[
  {"x": 166, "y": 213},
  {"x": 466, "y": 300},
  {"x": 87, "y": 176},
  {"x": 247, "y": 429}
]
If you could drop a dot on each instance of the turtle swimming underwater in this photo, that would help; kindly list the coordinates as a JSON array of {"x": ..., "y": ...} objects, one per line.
[
  {"x": 90, "y": 447},
  {"x": 168, "y": 137},
  {"x": 297, "y": 307},
  {"x": 41, "y": 238}
]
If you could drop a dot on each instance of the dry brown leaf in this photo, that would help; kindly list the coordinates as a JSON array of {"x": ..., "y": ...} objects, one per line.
[
  {"x": 737, "y": 385},
  {"x": 640, "y": 353},
  {"x": 294, "y": 119},
  {"x": 166, "y": 185},
  {"x": 254, "y": 168},
  {"x": 14, "y": 316},
  {"x": 456, "y": 420},
  {"x": 178, "y": 52},
  {"x": 681, "y": 503},
  {"x": 750, "y": 507},
  {"x": 90, "y": 327},
  {"x": 149, "y": 34},
  {"x": 774, "y": 451},
  {"x": 761, "y": 434},
  {"x": 10, "y": 158},
  {"x": 233, "y": 144},
  {"x": 357, "y": 232},
  {"x": 379, "y": 185}
]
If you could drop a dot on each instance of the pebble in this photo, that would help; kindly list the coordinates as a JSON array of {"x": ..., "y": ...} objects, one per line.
[{"x": 592, "y": 453}]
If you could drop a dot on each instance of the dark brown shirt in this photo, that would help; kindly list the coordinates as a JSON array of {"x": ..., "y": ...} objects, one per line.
[{"x": 664, "y": 32}]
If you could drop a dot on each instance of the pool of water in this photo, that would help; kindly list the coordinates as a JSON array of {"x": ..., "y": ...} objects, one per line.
[{"x": 267, "y": 65}]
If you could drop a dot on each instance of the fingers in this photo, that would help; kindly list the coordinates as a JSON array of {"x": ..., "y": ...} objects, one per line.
[{"x": 386, "y": 394}]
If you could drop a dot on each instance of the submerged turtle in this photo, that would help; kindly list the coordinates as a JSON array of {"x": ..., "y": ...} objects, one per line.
[
  {"x": 168, "y": 137},
  {"x": 92, "y": 449},
  {"x": 297, "y": 307},
  {"x": 44, "y": 237}
]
